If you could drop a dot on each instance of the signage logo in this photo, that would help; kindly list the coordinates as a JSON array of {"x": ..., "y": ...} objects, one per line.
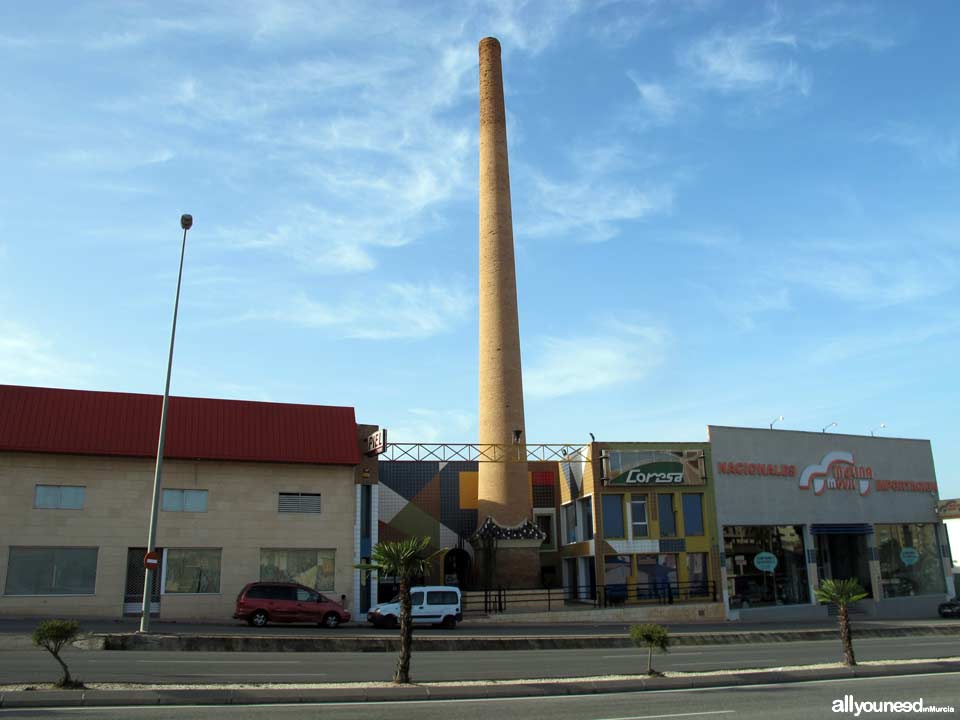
[
  {"x": 765, "y": 562},
  {"x": 837, "y": 471},
  {"x": 749, "y": 468},
  {"x": 655, "y": 473},
  {"x": 909, "y": 556}
]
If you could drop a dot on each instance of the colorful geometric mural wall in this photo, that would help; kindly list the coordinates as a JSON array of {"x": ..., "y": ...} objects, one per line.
[{"x": 439, "y": 500}]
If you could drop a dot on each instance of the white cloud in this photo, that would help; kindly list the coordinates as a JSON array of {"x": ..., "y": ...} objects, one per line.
[
  {"x": 400, "y": 310},
  {"x": 926, "y": 144},
  {"x": 622, "y": 354},
  {"x": 425, "y": 425},
  {"x": 29, "y": 359},
  {"x": 747, "y": 60},
  {"x": 591, "y": 208},
  {"x": 655, "y": 98}
]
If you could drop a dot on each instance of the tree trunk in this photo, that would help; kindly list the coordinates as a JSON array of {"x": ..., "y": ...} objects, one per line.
[
  {"x": 406, "y": 634},
  {"x": 650, "y": 660},
  {"x": 845, "y": 638},
  {"x": 66, "y": 679}
]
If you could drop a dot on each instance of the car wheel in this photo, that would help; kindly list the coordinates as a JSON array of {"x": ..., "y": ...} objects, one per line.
[
  {"x": 258, "y": 619},
  {"x": 391, "y": 622},
  {"x": 449, "y": 622},
  {"x": 331, "y": 620}
]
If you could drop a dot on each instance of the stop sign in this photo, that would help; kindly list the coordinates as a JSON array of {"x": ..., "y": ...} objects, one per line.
[{"x": 151, "y": 561}]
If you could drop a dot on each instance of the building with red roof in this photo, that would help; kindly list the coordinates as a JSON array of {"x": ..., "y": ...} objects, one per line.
[{"x": 250, "y": 491}]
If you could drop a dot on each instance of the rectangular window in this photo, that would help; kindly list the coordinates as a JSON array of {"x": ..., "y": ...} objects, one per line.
[
  {"x": 585, "y": 506},
  {"x": 668, "y": 518},
  {"x": 59, "y": 497},
  {"x": 692, "y": 514},
  {"x": 184, "y": 501},
  {"x": 910, "y": 562},
  {"x": 570, "y": 521},
  {"x": 545, "y": 523},
  {"x": 441, "y": 597},
  {"x": 51, "y": 571},
  {"x": 638, "y": 515},
  {"x": 299, "y": 503},
  {"x": 192, "y": 570},
  {"x": 307, "y": 566},
  {"x": 613, "y": 525},
  {"x": 751, "y": 586}
]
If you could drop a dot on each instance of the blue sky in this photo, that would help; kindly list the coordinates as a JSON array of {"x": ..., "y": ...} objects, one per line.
[{"x": 724, "y": 212}]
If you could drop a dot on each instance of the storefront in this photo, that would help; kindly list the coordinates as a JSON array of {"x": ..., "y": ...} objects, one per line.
[
  {"x": 795, "y": 508},
  {"x": 637, "y": 525}
]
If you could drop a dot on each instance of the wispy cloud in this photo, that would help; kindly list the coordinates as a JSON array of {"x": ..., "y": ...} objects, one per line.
[
  {"x": 399, "y": 311},
  {"x": 572, "y": 364},
  {"x": 656, "y": 99},
  {"x": 742, "y": 307},
  {"x": 28, "y": 358},
  {"x": 926, "y": 144},
  {"x": 745, "y": 60},
  {"x": 431, "y": 425},
  {"x": 849, "y": 346}
]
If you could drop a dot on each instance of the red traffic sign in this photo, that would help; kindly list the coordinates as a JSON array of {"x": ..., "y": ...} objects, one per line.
[{"x": 151, "y": 561}]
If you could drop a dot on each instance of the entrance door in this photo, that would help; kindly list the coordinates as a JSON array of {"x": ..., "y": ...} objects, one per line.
[
  {"x": 136, "y": 574},
  {"x": 841, "y": 556}
]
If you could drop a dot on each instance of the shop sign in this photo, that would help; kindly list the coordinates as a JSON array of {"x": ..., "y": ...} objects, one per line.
[
  {"x": 909, "y": 556},
  {"x": 837, "y": 471},
  {"x": 749, "y": 468},
  {"x": 765, "y": 561},
  {"x": 377, "y": 442},
  {"x": 656, "y": 473},
  {"x": 948, "y": 509}
]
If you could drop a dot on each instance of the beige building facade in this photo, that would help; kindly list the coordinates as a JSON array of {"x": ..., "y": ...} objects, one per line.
[{"x": 73, "y": 527}]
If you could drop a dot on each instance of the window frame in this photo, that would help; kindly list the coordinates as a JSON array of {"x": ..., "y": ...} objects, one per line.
[
  {"x": 183, "y": 499},
  {"x": 163, "y": 574},
  {"x": 604, "y": 500},
  {"x": 59, "y": 505},
  {"x": 96, "y": 569},
  {"x": 673, "y": 515},
  {"x": 683, "y": 508},
  {"x": 552, "y": 514},
  {"x": 643, "y": 498}
]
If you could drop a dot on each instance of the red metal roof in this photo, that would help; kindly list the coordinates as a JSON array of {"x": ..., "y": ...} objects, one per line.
[{"x": 83, "y": 422}]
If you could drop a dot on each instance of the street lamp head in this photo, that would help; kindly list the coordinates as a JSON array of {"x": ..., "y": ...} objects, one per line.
[{"x": 186, "y": 221}]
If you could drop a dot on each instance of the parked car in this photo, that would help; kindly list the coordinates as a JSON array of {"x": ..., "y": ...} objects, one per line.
[
  {"x": 951, "y": 608},
  {"x": 262, "y": 602},
  {"x": 429, "y": 605}
]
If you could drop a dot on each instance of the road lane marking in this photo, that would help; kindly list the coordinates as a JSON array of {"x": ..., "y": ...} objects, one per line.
[
  {"x": 218, "y": 662},
  {"x": 672, "y": 715}
]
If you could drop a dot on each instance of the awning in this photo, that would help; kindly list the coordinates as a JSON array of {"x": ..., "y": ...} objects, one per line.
[{"x": 841, "y": 529}]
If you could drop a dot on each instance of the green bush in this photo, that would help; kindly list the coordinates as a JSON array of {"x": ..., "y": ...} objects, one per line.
[
  {"x": 650, "y": 636},
  {"x": 52, "y": 636}
]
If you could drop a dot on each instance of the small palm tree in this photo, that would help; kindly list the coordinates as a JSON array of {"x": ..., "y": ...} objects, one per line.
[
  {"x": 841, "y": 593},
  {"x": 404, "y": 559},
  {"x": 650, "y": 635}
]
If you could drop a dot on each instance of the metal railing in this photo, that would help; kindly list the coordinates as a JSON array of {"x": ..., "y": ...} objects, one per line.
[
  {"x": 486, "y": 452},
  {"x": 498, "y": 600}
]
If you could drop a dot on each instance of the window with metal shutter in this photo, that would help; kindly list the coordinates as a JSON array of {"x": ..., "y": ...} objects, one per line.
[{"x": 299, "y": 503}]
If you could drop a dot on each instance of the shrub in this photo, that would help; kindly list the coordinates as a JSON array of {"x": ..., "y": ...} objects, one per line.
[
  {"x": 650, "y": 636},
  {"x": 52, "y": 636}
]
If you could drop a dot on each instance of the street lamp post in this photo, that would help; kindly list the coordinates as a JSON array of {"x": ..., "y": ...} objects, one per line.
[
  {"x": 833, "y": 424},
  {"x": 882, "y": 426},
  {"x": 186, "y": 222},
  {"x": 775, "y": 421}
]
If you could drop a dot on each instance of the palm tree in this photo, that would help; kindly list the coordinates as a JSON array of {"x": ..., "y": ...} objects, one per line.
[
  {"x": 404, "y": 559},
  {"x": 841, "y": 593}
]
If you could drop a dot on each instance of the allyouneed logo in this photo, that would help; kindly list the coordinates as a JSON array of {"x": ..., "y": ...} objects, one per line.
[{"x": 837, "y": 471}]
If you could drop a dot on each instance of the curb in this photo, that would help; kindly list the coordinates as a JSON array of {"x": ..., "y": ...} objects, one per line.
[
  {"x": 279, "y": 643},
  {"x": 118, "y": 698}
]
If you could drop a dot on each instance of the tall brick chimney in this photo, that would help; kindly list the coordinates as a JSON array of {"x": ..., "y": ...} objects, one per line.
[{"x": 504, "y": 506}]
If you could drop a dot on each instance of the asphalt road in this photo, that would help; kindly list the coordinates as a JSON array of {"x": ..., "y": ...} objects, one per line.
[
  {"x": 35, "y": 665},
  {"x": 469, "y": 627},
  {"x": 792, "y": 701}
]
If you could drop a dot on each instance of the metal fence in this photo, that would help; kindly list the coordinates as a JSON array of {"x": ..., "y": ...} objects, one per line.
[{"x": 498, "y": 600}]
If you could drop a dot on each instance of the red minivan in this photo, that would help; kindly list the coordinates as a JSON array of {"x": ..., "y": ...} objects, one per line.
[{"x": 263, "y": 602}]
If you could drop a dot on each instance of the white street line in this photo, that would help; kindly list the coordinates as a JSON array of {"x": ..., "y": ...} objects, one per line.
[
  {"x": 219, "y": 662},
  {"x": 672, "y": 715}
]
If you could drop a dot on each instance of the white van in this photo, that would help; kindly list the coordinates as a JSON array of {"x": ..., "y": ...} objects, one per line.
[{"x": 429, "y": 605}]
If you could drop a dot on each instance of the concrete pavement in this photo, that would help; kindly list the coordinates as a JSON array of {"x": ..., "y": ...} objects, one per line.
[{"x": 487, "y": 691}]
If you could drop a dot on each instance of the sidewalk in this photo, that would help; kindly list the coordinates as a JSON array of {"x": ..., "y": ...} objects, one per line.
[{"x": 392, "y": 693}]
